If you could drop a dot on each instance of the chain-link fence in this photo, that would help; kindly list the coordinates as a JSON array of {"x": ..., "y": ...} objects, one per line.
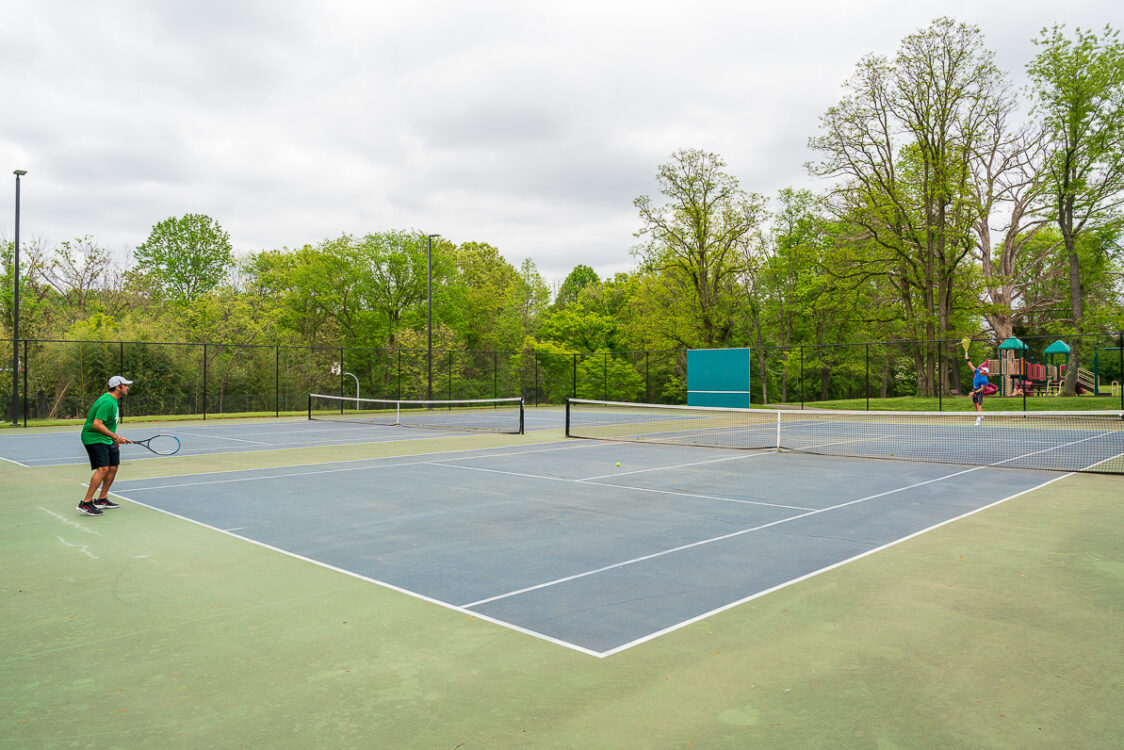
[
  {"x": 60, "y": 379},
  {"x": 1020, "y": 367}
]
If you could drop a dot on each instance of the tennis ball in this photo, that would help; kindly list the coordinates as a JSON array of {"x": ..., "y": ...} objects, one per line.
[{"x": 618, "y": 463}]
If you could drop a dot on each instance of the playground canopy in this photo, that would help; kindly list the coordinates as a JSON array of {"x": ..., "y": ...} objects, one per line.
[
  {"x": 1015, "y": 344},
  {"x": 1058, "y": 347}
]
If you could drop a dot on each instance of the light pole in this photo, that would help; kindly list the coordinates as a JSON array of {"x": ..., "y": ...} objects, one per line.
[
  {"x": 429, "y": 295},
  {"x": 16, "y": 308}
]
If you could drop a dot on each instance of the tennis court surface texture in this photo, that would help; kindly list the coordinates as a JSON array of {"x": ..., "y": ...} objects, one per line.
[{"x": 294, "y": 583}]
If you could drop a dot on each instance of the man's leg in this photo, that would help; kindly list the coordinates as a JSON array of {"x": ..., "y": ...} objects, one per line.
[
  {"x": 88, "y": 506},
  {"x": 107, "y": 480},
  {"x": 95, "y": 482}
]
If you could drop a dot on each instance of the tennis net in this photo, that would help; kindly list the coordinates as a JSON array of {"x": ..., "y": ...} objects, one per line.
[
  {"x": 483, "y": 414},
  {"x": 1056, "y": 441}
]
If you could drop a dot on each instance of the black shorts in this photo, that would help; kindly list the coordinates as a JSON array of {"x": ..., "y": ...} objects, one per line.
[
  {"x": 977, "y": 398},
  {"x": 104, "y": 454}
]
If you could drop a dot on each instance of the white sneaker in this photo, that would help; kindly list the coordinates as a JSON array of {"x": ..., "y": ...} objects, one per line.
[{"x": 978, "y": 420}]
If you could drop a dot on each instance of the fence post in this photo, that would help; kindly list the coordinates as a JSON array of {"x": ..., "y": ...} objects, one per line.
[
  {"x": 495, "y": 374},
  {"x": 277, "y": 380},
  {"x": 450, "y": 377},
  {"x": 25, "y": 368},
  {"x": 868, "y": 376},
  {"x": 204, "y": 382},
  {"x": 574, "y": 375},
  {"x": 1120, "y": 351},
  {"x": 647, "y": 379},
  {"x": 940, "y": 366},
  {"x": 801, "y": 377},
  {"x": 605, "y": 375}
]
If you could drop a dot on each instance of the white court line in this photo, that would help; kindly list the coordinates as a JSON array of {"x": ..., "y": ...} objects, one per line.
[
  {"x": 384, "y": 584},
  {"x": 333, "y": 463},
  {"x": 623, "y": 486},
  {"x": 1055, "y": 447},
  {"x": 719, "y": 538},
  {"x": 222, "y": 437},
  {"x": 702, "y": 497},
  {"x": 1098, "y": 463},
  {"x": 308, "y": 443},
  {"x": 83, "y": 548},
  {"x": 464, "y": 609},
  {"x": 67, "y": 521},
  {"x": 367, "y": 465},
  {"x": 677, "y": 466},
  {"x": 806, "y": 576}
]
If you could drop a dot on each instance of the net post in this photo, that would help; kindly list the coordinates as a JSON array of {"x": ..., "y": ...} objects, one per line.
[
  {"x": 521, "y": 423},
  {"x": 310, "y": 407},
  {"x": 568, "y": 417},
  {"x": 778, "y": 429}
]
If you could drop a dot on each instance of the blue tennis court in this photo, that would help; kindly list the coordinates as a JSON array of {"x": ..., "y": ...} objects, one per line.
[
  {"x": 64, "y": 447},
  {"x": 557, "y": 541}
]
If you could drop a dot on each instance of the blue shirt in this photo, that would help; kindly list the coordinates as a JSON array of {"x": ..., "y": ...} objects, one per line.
[{"x": 979, "y": 381}]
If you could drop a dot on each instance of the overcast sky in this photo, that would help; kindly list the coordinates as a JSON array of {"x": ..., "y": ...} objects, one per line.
[{"x": 531, "y": 126}]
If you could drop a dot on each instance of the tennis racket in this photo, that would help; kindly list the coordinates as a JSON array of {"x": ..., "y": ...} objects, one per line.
[
  {"x": 161, "y": 445},
  {"x": 965, "y": 343}
]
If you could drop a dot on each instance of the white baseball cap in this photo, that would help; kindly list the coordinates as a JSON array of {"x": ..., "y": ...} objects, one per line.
[
  {"x": 117, "y": 380},
  {"x": 983, "y": 368}
]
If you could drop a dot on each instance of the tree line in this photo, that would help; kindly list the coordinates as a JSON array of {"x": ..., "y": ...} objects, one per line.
[{"x": 954, "y": 207}]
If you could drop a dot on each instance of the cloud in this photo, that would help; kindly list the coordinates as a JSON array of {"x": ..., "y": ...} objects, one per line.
[{"x": 530, "y": 126}]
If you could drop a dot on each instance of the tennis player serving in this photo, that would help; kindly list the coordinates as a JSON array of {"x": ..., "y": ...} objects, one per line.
[
  {"x": 99, "y": 435},
  {"x": 979, "y": 382}
]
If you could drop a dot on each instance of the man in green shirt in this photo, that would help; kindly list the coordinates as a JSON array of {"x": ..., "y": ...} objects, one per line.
[{"x": 102, "y": 442}]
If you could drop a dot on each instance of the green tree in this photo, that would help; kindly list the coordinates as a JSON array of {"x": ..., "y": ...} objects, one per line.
[
  {"x": 581, "y": 277},
  {"x": 579, "y": 329},
  {"x": 698, "y": 238},
  {"x": 82, "y": 274},
  {"x": 900, "y": 143},
  {"x": 488, "y": 284},
  {"x": 37, "y": 302},
  {"x": 292, "y": 278},
  {"x": 187, "y": 256},
  {"x": 1078, "y": 90}
]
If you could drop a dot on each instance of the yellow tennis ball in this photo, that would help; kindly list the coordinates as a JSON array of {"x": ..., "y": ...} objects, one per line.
[{"x": 618, "y": 463}]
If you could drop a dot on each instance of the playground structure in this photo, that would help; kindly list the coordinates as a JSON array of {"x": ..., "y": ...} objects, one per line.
[{"x": 1020, "y": 375}]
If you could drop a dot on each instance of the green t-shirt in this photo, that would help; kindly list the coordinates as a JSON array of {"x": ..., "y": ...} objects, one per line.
[{"x": 105, "y": 409}]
